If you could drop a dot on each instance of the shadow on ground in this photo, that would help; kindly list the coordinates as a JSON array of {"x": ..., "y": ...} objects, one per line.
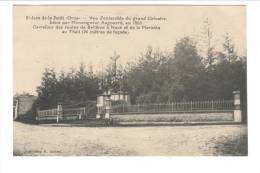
[{"x": 236, "y": 146}]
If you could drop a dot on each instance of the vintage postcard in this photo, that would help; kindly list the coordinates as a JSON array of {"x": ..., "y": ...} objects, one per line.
[{"x": 129, "y": 80}]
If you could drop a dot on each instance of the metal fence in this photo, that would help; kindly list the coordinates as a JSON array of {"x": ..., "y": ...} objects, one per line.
[{"x": 192, "y": 106}]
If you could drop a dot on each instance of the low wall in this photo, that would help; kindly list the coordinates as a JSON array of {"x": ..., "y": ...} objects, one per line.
[{"x": 175, "y": 117}]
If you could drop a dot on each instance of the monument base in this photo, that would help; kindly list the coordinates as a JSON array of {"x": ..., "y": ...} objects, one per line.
[{"x": 237, "y": 116}]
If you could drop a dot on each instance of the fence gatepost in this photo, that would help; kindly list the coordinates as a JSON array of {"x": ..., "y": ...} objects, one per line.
[
  {"x": 237, "y": 108},
  {"x": 59, "y": 112}
]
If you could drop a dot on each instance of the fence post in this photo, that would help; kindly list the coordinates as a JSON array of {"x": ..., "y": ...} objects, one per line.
[
  {"x": 237, "y": 108},
  {"x": 59, "y": 112},
  {"x": 16, "y": 109},
  {"x": 80, "y": 113},
  {"x": 37, "y": 114},
  {"x": 84, "y": 112}
]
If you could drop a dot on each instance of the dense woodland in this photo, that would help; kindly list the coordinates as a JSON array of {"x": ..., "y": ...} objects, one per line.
[{"x": 155, "y": 76}]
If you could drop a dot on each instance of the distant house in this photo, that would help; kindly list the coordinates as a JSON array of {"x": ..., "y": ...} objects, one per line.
[{"x": 22, "y": 105}]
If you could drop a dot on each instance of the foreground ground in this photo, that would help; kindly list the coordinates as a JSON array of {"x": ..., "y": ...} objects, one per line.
[{"x": 137, "y": 141}]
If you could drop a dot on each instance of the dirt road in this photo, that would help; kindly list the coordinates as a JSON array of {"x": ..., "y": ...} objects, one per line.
[{"x": 204, "y": 140}]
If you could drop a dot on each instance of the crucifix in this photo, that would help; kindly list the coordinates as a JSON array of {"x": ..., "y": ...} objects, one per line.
[{"x": 114, "y": 58}]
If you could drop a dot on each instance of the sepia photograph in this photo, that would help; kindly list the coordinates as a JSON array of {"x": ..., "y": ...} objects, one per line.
[{"x": 129, "y": 80}]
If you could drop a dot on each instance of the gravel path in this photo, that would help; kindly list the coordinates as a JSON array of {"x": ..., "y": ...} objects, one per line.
[{"x": 204, "y": 140}]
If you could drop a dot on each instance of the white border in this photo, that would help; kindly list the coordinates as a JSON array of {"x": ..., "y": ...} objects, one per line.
[{"x": 8, "y": 163}]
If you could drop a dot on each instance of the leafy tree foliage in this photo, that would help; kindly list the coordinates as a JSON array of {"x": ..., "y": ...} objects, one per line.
[
  {"x": 75, "y": 86},
  {"x": 162, "y": 77}
]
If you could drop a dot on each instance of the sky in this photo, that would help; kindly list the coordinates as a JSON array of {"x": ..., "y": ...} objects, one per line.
[{"x": 33, "y": 50}]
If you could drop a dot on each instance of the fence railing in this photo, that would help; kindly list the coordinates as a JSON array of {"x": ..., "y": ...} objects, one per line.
[
  {"x": 47, "y": 113},
  {"x": 64, "y": 114},
  {"x": 192, "y": 106},
  {"x": 71, "y": 112}
]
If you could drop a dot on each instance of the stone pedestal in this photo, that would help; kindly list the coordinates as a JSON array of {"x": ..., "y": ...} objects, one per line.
[
  {"x": 104, "y": 106},
  {"x": 107, "y": 115},
  {"x": 59, "y": 112},
  {"x": 97, "y": 116},
  {"x": 237, "y": 116},
  {"x": 237, "y": 108},
  {"x": 107, "y": 108}
]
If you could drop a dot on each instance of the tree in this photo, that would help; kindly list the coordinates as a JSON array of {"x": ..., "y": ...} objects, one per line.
[
  {"x": 186, "y": 58},
  {"x": 47, "y": 91},
  {"x": 187, "y": 67},
  {"x": 229, "y": 49},
  {"x": 144, "y": 77},
  {"x": 77, "y": 85},
  {"x": 206, "y": 46}
]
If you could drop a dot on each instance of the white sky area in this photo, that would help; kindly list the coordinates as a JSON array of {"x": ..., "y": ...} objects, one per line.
[{"x": 36, "y": 50}]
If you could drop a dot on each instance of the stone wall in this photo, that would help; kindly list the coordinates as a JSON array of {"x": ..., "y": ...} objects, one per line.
[{"x": 176, "y": 117}]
